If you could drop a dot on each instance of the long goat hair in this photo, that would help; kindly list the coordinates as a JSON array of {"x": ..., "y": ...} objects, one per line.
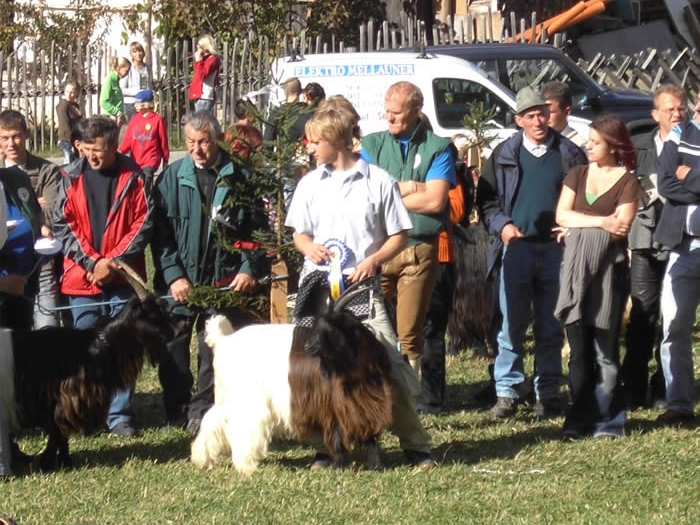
[
  {"x": 472, "y": 306},
  {"x": 330, "y": 381},
  {"x": 63, "y": 379}
]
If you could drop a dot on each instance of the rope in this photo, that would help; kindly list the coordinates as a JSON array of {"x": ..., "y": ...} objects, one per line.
[{"x": 48, "y": 310}]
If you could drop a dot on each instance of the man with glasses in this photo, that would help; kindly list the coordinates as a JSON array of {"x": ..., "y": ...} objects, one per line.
[
  {"x": 102, "y": 215},
  {"x": 679, "y": 229},
  {"x": 649, "y": 258},
  {"x": 201, "y": 203}
]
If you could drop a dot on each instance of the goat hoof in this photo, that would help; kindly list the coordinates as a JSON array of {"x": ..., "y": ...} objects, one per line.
[{"x": 375, "y": 466}]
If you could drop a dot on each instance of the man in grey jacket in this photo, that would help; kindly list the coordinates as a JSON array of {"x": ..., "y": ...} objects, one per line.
[{"x": 649, "y": 258}]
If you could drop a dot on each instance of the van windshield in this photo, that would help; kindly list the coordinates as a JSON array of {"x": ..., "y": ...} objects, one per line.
[{"x": 452, "y": 97}]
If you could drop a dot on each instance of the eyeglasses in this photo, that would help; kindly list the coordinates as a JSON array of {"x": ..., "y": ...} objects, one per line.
[{"x": 671, "y": 111}]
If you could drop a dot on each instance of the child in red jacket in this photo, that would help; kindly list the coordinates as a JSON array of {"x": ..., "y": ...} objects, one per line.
[{"x": 146, "y": 137}]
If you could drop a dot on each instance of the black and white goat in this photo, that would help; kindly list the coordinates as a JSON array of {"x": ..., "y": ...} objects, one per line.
[
  {"x": 330, "y": 381},
  {"x": 62, "y": 379}
]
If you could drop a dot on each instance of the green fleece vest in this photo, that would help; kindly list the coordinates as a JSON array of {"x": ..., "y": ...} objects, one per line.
[{"x": 384, "y": 150}]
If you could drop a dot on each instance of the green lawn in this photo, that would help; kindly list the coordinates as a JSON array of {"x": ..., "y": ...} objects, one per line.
[{"x": 491, "y": 472}]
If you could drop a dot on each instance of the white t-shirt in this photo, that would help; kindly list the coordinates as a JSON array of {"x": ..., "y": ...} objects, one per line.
[{"x": 360, "y": 207}]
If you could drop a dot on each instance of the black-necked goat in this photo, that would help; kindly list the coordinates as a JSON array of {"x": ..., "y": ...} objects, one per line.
[
  {"x": 330, "y": 381},
  {"x": 62, "y": 380}
]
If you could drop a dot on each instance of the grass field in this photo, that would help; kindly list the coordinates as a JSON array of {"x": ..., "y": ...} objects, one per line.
[{"x": 512, "y": 472}]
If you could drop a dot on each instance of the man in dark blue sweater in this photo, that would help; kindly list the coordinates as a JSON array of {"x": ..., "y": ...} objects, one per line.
[{"x": 517, "y": 196}]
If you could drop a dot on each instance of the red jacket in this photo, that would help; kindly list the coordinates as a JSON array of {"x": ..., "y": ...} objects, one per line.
[
  {"x": 146, "y": 138},
  {"x": 126, "y": 233},
  {"x": 205, "y": 78}
]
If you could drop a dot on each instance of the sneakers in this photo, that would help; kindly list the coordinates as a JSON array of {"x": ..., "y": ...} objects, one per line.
[
  {"x": 674, "y": 417},
  {"x": 123, "y": 429},
  {"x": 548, "y": 408},
  {"x": 321, "y": 461},
  {"x": 193, "y": 425},
  {"x": 421, "y": 460},
  {"x": 504, "y": 408}
]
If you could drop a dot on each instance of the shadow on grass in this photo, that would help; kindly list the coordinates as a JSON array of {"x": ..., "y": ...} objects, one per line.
[{"x": 118, "y": 451}]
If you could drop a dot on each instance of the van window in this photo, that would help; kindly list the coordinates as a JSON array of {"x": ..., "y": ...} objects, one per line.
[
  {"x": 490, "y": 67},
  {"x": 452, "y": 95},
  {"x": 535, "y": 72}
]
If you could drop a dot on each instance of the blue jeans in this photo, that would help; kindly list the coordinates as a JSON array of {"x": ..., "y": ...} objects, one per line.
[
  {"x": 86, "y": 314},
  {"x": 69, "y": 154},
  {"x": 529, "y": 285},
  {"x": 202, "y": 104},
  {"x": 679, "y": 301}
]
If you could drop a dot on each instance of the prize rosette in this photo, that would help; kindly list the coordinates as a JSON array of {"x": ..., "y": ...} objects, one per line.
[{"x": 338, "y": 260}]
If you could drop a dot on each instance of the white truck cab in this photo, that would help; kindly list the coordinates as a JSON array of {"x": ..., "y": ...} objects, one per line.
[{"x": 448, "y": 84}]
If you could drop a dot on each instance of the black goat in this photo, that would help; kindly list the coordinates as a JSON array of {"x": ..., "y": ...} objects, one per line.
[{"x": 64, "y": 378}]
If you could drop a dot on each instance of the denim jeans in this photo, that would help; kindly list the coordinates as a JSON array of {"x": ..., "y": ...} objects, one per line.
[
  {"x": 646, "y": 274},
  {"x": 47, "y": 298},
  {"x": 65, "y": 147},
  {"x": 529, "y": 285},
  {"x": 594, "y": 370},
  {"x": 202, "y": 104},
  {"x": 679, "y": 301},
  {"x": 86, "y": 314}
]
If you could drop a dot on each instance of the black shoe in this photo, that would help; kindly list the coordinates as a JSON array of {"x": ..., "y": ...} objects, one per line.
[
  {"x": 486, "y": 395},
  {"x": 548, "y": 408},
  {"x": 193, "y": 425},
  {"x": 660, "y": 405},
  {"x": 321, "y": 461},
  {"x": 675, "y": 417},
  {"x": 123, "y": 429},
  {"x": 504, "y": 408},
  {"x": 176, "y": 422},
  {"x": 421, "y": 460}
]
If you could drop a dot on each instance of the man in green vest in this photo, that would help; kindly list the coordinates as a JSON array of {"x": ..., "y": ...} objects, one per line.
[{"x": 424, "y": 167}]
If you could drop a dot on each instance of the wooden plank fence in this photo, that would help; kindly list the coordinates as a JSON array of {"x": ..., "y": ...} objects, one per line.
[{"x": 35, "y": 87}]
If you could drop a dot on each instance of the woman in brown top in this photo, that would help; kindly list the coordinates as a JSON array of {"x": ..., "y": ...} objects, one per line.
[{"x": 596, "y": 208}]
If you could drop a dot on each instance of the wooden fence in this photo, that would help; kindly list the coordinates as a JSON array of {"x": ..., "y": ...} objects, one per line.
[{"x": 34, "y": 87}]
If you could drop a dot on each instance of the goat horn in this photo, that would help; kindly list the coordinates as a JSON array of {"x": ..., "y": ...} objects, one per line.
[
  {"x": 351, "y": 292},
  {"x": 134, "y": 280}
]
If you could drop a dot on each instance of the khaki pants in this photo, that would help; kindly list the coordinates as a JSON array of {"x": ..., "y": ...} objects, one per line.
[
  {"x": 409, "y": 279},
  {"x": 405, "y": 385}
]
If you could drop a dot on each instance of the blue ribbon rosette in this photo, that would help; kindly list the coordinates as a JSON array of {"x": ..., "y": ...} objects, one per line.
[{"x": 339, "y": 258}]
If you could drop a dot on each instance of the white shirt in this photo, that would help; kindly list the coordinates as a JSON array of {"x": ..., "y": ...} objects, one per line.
[
  {"x": 537, "y": 150},
  {"x": 360, "y": 207}
]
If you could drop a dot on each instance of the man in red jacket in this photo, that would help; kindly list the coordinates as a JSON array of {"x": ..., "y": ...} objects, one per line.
[
  {"x": 102, "y": 216},
  {"x": 146, "y": 137}
]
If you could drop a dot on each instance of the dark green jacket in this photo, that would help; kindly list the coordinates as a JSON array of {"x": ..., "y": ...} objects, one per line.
[
  {"x": 178, "y": 217},
  {"x": 384, "y": 150}
]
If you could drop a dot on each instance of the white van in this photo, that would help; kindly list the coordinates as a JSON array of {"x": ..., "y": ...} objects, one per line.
[{"x": 448, "y": 84}]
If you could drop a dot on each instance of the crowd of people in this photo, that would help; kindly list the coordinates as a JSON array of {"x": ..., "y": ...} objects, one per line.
[{"x": 563, "y": 221}]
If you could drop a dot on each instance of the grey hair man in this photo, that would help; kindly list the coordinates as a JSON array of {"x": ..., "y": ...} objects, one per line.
[{"x": 187, "y": 251}]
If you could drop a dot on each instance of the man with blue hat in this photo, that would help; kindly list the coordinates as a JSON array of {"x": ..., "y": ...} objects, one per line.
[
  {"x": 146, "y": 137},
  {"x": 517, "y": 197}
]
